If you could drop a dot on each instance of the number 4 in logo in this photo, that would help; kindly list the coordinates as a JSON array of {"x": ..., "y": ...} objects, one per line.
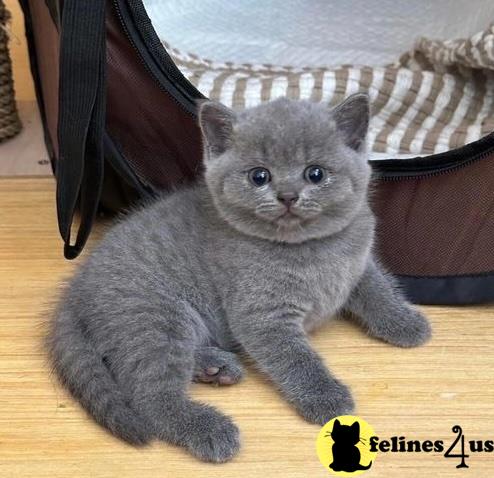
[{"x": 448, "y": 454}]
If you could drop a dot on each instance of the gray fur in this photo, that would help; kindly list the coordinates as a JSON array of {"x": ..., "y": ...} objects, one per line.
[{"x": 176, "y": 288}]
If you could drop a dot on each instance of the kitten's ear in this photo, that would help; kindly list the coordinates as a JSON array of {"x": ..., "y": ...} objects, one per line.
[
  {"x": 356, "y": 427},
  {"x": 336, "y": 424},
  {"x": 352, "y": 120},
  {"x": 216, "y": 122}
]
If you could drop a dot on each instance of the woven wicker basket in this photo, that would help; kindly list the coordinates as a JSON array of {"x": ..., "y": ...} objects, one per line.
[{"x": 10, "y": 123}]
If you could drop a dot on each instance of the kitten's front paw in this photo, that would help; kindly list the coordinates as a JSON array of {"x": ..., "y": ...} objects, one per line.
[
  {"x": 213, "y": 437},
  {"x": 409, "y": 328},
  {"x": 320, "y": 408}
]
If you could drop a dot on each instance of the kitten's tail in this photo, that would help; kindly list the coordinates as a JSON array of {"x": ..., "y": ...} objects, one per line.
[{"x": 81, "y": 370}]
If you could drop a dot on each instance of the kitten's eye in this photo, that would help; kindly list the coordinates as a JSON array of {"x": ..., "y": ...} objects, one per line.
[
  {"x": 259, "y": 176},
  {"x": 314, "y": 174}
]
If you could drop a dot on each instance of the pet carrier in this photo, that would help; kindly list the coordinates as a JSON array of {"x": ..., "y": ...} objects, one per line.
[{"x": 118, "y": 82}]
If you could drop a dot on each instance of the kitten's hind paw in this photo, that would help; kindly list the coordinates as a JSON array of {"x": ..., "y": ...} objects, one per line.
[{"x": 217, "y": 366}]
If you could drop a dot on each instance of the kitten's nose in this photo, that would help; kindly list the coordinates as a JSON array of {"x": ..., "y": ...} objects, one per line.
[{"x": 288, "y": 198}]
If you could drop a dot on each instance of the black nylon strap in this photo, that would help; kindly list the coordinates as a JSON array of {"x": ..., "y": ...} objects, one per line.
[
  {"x": 54, "y": 9},
  {"x": 81, "y": 117}
]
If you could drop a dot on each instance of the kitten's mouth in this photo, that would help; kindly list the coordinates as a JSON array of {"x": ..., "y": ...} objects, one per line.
[
  {"x": 288, "y": 217},
  {"x": 288, "y": 214}
]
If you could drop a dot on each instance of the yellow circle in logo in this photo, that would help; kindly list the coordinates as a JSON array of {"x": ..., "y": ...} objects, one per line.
[{"x": 343, "y": 446}]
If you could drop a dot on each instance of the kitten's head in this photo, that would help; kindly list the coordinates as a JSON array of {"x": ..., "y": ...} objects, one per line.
[{"x": 287, "y": 170}]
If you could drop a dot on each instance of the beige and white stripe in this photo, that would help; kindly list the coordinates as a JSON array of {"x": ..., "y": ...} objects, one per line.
[{"x": 438, "y": 96}]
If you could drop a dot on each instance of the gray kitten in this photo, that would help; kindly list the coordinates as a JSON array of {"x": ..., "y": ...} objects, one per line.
[{"x": 275, "y": 240}]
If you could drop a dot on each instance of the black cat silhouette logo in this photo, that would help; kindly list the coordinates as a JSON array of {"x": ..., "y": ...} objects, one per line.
[
  {"x": 343, "y": 446},
  {"x": 346, "y": 455}
]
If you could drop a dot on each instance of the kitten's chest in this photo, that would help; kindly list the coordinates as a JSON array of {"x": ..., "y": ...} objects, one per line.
[
  {"x": 328, "y": 284},
  {"x": 317, "y": 275},
  {"x": 320, "y": 276},
  {"x": 331, "y": 269}
]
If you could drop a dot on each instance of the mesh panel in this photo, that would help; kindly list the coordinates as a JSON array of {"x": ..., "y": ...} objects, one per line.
[
  {"x": 157, "y": 137},
  {"x": 47, "y": 55},
  {"x": 438, "y": 225}
]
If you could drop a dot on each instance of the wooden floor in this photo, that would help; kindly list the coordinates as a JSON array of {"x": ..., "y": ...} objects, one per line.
[{"x": 418, "y": 393}]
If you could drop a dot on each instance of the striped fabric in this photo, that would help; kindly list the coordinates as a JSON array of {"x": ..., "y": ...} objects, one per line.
[{"x": 437, "y": 97}]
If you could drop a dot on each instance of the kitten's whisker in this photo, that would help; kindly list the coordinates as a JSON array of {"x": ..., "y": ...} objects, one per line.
[
  {"x": 266, "y": 208},
  {"x": 311, "y": 209},
  {"x": 267, "y": 205}
]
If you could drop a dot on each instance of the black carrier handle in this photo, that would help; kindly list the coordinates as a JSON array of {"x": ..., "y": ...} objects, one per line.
[{"x": 81, "y": 119}]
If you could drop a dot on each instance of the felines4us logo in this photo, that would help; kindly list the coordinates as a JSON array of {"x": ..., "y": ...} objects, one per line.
[{"x": 348, "y": 446}]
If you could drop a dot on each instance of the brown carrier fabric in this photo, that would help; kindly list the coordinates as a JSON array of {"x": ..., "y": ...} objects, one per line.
[
  {"x": 438, "y": 225},
  {"x": 158, "y": 138},
  {"x": 46, "y": 68}
]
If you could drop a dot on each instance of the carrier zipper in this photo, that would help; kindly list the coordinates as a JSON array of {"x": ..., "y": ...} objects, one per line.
[
  {"x": 424, "y": 167},
  {"x": 173, "y": 78}
]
